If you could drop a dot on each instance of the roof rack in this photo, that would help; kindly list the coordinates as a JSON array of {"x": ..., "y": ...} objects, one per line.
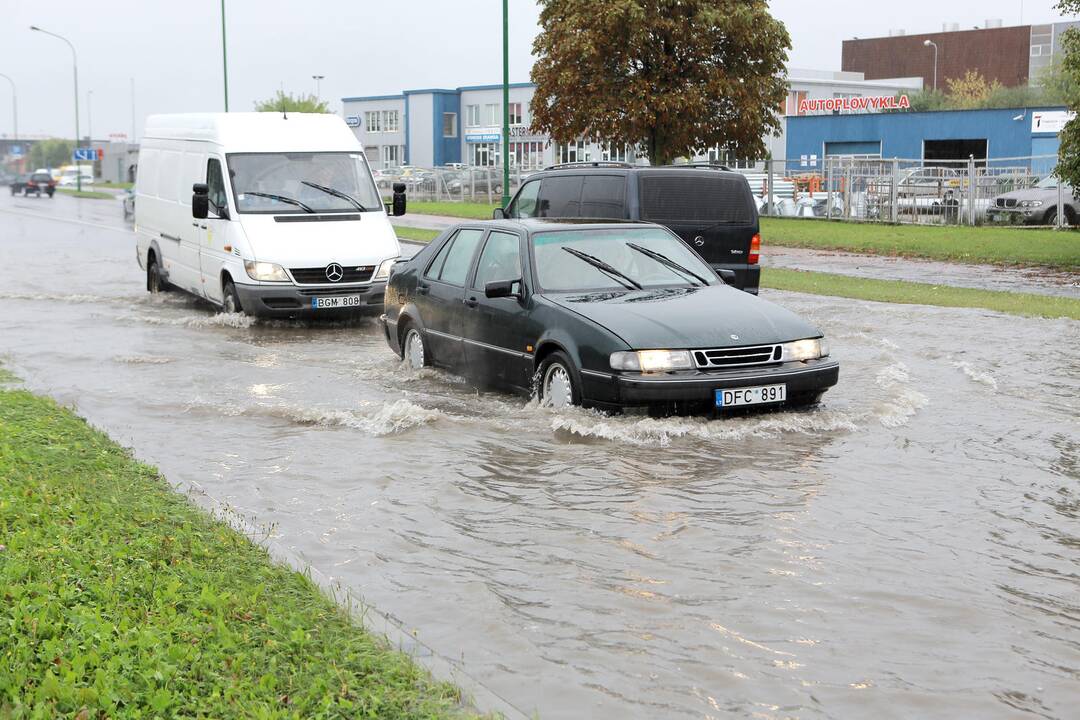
[
  {"x": 713, "y": 166},
  {"x": 601, "y": 163}
]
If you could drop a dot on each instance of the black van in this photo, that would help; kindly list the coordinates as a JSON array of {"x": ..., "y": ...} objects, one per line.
[{"x": 708, "y": 206}]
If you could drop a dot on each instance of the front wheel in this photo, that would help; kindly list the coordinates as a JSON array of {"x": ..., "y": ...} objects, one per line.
[
  {"x": 414, "y": 350},
  {"x": 559, "y": 387},
  {"x": 230, "y": 301}
]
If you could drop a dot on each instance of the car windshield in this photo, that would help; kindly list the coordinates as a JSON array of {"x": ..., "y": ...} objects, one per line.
[
  {"x": 292, "y": 179},
  {"x": 1047, "y": 182},
  {"x": 616, "y": 258}
]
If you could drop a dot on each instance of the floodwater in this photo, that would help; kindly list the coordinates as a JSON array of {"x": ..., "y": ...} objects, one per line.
[{"x": 909, "y": 549}]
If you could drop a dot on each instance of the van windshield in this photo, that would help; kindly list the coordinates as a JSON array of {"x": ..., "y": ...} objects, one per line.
[{"x": 295, "y": 176}]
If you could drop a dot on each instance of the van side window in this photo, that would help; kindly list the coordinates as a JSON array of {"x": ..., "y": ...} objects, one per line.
[
  {"x": 603, "y": 196},
  {"x": 216, "y": 182},
  {"x": 560, "y": 196},
  {"x": 524, "y": 205}
]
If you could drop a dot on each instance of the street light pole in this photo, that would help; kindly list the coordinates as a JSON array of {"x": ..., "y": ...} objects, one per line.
[
  {"x": 317, "y": 79},
  {"x": 224, "y": 57},
  {"x": 89, "y": 117},
  {"x": 75, "y": 66},
  {"x": 14, "y": 106},
  {"x": 506, "y": 106},
  {"x": 931, "y": 43}
]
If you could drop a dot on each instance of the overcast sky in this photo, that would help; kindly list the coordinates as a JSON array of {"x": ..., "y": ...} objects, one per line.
[{"x": 173, "y": 49}]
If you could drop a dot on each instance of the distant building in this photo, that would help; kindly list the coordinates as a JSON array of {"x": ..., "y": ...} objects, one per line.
[
  {"x": 1012, "y": 55},
  {"x": 435, "y": 127}
]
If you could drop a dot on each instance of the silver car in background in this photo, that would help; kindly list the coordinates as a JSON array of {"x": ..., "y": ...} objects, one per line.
[{"x": 1037, "y": 205}]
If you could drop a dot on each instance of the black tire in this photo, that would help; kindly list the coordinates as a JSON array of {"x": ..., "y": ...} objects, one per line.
[
  {"x": 1050, "y": 218},
  {"x": 1070, "y": 216},
  {"x": 230, "y": 300},
  {"x": 416, "y": 356},
  {"x": 555, "y": 371},
  {"x": 154, "y": 281}
]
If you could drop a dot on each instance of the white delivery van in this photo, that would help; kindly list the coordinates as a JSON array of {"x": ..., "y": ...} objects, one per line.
[{"x": 263, "y": 213}]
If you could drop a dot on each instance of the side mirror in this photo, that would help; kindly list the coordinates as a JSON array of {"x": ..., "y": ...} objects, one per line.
[
  {"x": 398, "y": 208},
  {"x": 498, "y": 214},
  {"x": 200, "y": 201},
  {"x": 503, "y": 288},
  {"x": 728, "y": 276}
]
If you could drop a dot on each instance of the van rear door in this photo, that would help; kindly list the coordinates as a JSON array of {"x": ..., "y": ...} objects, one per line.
[{"x": 713, "y": 211}]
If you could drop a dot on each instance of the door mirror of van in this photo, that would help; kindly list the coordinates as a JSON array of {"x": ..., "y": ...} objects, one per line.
[
  {"x": 200, "y": 201},
  {"x": 503, "y": 288},
  {"x": 498, "y": 214},
  {"x": 728, "y": 276},
  {"x": 398, "y": 208}
]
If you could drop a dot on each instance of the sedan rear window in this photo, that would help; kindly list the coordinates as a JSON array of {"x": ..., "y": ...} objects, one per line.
[{"x": 695, "y": 199}]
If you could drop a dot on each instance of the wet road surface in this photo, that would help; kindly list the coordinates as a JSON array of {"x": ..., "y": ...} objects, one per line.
[{"x": 909, "y": 549}]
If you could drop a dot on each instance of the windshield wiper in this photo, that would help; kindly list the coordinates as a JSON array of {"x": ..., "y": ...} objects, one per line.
[
  {"x": 336, "y": 193},
  {"x": 280, "y": 198},
  {"x": 665, "y": 260},
  {"x": 599, "y": 264}
]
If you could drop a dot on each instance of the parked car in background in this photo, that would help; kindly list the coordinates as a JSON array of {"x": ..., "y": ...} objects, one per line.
[
  {"x": 70, "y": 178},
  {"x": 709, "y": 207},
  {"x": 17, "y": 184},
  {"x": 927, "y": 182},
  {"x": 475, "y": 180},
  {"x": 608, "y": 315},
  {"x": 1035, "y": 206}
]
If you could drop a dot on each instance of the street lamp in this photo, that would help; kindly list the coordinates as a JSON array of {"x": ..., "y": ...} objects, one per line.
[
  {"x": 224, "y": 57},
  {"x": 89, "y": 117},
  {"x": 75, "y": 65},
  {"x": 14, "y": 106},
  {"x": 931, "y": 43},
  {"x": 317, "y": 79},
  {"x": 506, "y": 107}
]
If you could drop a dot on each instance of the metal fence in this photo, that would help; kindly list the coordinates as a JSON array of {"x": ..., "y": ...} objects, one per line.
[
  {"x": 451, "y": 184},
  {"x": 929, "y": 192}
]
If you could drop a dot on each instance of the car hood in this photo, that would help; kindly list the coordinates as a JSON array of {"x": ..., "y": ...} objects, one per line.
[
  {"x": 368, "y": 241},
  {"x": 1044, "y": 194},
  {"x": 699, "y": 317}
]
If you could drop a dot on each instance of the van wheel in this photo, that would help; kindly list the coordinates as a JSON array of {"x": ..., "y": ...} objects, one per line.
[
  {"x": 559, "y": 386},
  {"x": 154, "y": 283},
  {"x": 414, "y": 349},
  {"x": 230, "y": 300}
]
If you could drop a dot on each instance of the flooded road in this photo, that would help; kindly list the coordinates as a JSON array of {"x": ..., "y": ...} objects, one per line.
[{"x": 909, "y": 549}]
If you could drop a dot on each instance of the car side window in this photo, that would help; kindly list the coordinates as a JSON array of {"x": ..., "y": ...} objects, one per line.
[
  {"x": 499, "y": 261},
  {"x": 603, "y": 196},
  {"x": 216, "y": 183},
  {"x": 459, "y": 254},
  {"x": 524, "y": 205},
  {"x": 560, "y": 196},
  {"x": 440, "y": 257}
]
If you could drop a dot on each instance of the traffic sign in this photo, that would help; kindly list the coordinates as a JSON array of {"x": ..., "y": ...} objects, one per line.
[
  {"x": 16, "y": 151},
  {"x": 81, "y": 154}
]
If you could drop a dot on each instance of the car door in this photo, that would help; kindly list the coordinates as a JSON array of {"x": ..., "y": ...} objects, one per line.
[
  {"x": 494, "y": 329},
  {"x": 215, "y": 230},
  {"x": 441, "y": 294}
]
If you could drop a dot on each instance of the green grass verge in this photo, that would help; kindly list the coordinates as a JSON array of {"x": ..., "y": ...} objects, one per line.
[
  {"x": 114, "y": 186},
  {"x": 87, "y": 194},
  {"x": 988, "y": 245},
  {"x": 909, "y": 293},
  {"x": 118, "y": 598},
  {"x": 417, "y": 234},
  {"x": 472, "y": 211}
]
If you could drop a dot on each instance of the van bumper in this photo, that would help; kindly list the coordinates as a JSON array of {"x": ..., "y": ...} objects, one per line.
[{"x": 285, "y": 301}]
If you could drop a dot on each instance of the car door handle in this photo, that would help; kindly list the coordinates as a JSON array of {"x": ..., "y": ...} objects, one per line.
[
  {"x": 471, "y": 301},
  {"x": 197, "y": 225},
  {"x": 422, "y": 289}
]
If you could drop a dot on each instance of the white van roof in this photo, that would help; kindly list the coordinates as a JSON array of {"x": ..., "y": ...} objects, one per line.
[{"x": 257, "y": 131}]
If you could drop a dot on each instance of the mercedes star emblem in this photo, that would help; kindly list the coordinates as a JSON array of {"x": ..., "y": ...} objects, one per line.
[
  {"x": 334, "y": 273},
  {"x": 699, "y": 241}
]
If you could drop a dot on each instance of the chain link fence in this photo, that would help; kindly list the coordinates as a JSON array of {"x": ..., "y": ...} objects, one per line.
[
  {"x": 1017, "y": 190},
  {"x": 451, "y": 184}
]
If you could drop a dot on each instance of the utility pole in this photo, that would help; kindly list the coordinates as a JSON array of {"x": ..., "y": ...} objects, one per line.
[
  {"x": 14, "y": 107},
  {"x": 506, "y": 106},
  {"x": 89, "y": 116},
  {"x": 317, "y": 79},
  {"x": 132, "y": 110},
  {"x": 75, "y": 65},
  {"x": 224, "y": 57}
]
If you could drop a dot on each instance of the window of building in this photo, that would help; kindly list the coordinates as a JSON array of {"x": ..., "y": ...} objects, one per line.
[
  {"x": 527, "y": 155},
  {"x": 472, "y": 116},
  {"x": 572, "y": 152},
  {"x": 484, "y": 154},
  {"x": 613, "y": 152},
  {"x": 391, "y": 156},
  {"x": 491, "y": 115},
  {"x": 373, "y": 121},
  {"x": 390, "y": 121},
  {"x": 516, "y": 116},
  {"x": 449, "y": 125},
  {"x": 723, "y": 156}
]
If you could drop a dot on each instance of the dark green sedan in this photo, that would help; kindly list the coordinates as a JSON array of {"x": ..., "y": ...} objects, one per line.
[{"x": 606, "y": 315}]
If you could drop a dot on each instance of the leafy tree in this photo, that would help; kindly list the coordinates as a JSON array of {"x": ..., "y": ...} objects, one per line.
[
  {"x": 926, "y": 100},
  {"x": 286, "y": 102},
  {"x": 50, "y": 153},
  {"x": 673, "y": 76},
  {"x": 970, "y": 91},
  {"x": 1068, "y": 167}
]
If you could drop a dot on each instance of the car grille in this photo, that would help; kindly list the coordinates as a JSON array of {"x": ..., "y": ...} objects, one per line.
[
  {"x": 317, "y": 276},
  {"x": 1005, "y": 202},
  {"x": 737, "y": 357}
]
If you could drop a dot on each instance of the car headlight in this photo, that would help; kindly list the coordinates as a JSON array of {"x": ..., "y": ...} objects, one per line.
[
  {"x": 265, "y": 272},
  {"x": 804, "y": 350},
  {"x": 652, "y": 360},
  {"x": 1031, "y": 203},
  {"x": 384, "y": 270}
]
